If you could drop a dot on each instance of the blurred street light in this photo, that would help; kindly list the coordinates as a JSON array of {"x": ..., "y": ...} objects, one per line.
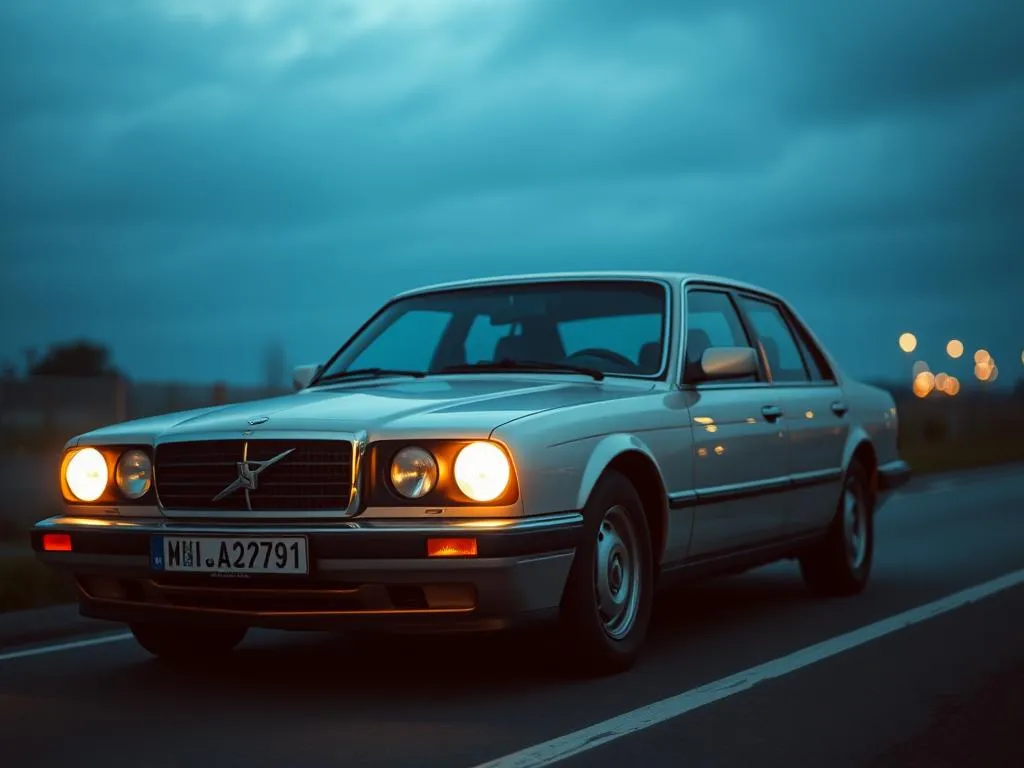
[
  {"x": 908, "y": 342},
  {"x": 920, "y": 367},
  {"x": 982, "y": 356},
  {"x": 955, "y": 348},
  {"x": 952, "y": 386},
  {"x": 941, "y": 379},
  {"x": 924, "y": 383}
]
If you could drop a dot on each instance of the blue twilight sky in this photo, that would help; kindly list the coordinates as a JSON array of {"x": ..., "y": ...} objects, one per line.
[{"x": 192, "y": 180}]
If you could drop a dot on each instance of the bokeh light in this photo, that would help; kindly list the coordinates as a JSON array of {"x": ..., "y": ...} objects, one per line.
[
  {"x": 924, "y": 383},
  {"x": 920, "y": 367},
  {"x": 986, "y": 371},
  {"x": 952, "y": 386},
  {"x": 941, "y": 380},
  {"x": 955, "y": 348},
  {"x": 982, "y": 356},
  {"x": 908, "y": 342}
]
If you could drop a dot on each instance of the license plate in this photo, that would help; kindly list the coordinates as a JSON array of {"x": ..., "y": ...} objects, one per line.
[{"x": 235, "y": 554}]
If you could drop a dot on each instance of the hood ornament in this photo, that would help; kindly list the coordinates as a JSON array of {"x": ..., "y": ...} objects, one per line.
[
  {"x": 248, "y": 475},
  {"x": 258, "y": 420}
]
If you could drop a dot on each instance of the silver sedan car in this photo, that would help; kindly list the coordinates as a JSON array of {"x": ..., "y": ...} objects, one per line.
[{"x": 488, "y": 452}]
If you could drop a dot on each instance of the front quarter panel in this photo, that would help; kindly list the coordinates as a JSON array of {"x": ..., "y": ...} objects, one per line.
[{"x": 560, "y": 456}]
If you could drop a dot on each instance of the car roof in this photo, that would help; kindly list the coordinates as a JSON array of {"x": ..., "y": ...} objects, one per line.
[{"x": 668, "y": 277}]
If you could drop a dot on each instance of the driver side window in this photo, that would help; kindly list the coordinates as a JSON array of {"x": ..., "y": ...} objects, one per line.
[{"x": 712, "y": 320}]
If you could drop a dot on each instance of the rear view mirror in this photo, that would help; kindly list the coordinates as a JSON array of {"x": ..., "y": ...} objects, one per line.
[
  {"x": 304, "y": 374},
  {"x": 724, "y": 363}
]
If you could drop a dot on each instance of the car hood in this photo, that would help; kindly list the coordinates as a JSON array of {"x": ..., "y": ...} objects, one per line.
[{"x": 468, "y": 406}]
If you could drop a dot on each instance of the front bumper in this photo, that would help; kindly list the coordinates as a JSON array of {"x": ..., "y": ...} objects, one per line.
[{"x": 371, "y": 574}]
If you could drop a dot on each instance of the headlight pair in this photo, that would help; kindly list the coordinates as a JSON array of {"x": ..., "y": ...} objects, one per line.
[
  {"x": 481, "y": 471},
  {"x": 87, "y": 474}
]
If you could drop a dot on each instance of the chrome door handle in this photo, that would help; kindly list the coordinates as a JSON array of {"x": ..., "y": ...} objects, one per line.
[
  {"x": 771, "y": 412},
  {"x": 839, "y": 408}
]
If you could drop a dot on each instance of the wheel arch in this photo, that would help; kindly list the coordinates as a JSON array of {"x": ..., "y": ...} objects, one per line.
[
  {"x": 630, "y": 457},
  {"x": 861, "y": 449}
]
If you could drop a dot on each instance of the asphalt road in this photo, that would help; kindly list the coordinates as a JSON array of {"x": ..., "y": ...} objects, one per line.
[{"x": 947, "y": 690}]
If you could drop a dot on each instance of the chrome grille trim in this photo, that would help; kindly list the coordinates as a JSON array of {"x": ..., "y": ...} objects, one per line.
[{"x": 319, "y": 478}]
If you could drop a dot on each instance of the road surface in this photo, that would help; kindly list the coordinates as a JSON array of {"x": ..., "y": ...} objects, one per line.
[{"x": 946, "y": 689}]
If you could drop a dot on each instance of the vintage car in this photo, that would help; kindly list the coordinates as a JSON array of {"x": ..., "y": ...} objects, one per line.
[{"x": 483, "y": 453}]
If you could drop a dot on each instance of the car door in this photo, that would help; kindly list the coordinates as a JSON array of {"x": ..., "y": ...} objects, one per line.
[
  {"x": 812, "y": 408},
  {"x": 740, "y": 445}
]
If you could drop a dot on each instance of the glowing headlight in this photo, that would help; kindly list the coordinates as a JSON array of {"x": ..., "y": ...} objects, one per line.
[
  {"x": 86, "y": 474},
  {"x": 413, "y": 472},
  {"x": 482, "y": 471},
  {"x": 134, "y": 474}
]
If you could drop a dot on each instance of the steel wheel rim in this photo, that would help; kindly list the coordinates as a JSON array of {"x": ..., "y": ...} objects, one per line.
[
  {"x": 617, "y": 573},
  {"x": 855, "y": 532}
]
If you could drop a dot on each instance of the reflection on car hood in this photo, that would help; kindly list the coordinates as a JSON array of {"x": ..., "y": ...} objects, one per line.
[{"x": 471, "y": 406}]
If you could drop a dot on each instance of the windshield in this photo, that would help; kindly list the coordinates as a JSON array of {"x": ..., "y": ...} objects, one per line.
[{"x": 617, "y": 328}]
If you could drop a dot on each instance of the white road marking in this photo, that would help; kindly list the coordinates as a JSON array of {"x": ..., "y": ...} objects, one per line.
[
  {"x": 69, "y": 646},
  {"x": 601, "y": 733}
]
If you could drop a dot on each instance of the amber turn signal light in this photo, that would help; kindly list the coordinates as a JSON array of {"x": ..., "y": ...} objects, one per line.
[
  {"x": 451, "y": 547},
  {"x": 56, "y": 542}
]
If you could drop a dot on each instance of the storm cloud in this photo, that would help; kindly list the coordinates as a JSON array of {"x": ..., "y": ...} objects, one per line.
[{"x": 188, "y": 180}]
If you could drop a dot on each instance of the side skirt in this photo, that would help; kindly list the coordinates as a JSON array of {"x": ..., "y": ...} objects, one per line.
[{"x": 730, "y": 562}]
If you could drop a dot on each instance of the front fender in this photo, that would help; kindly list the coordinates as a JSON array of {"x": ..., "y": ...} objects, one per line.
[{"x": 604, "y": 453}]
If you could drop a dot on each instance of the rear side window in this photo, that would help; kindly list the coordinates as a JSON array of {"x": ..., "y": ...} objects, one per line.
[
  {"x": 711, "y": 321},
  {"x": 781, "y": 349}
]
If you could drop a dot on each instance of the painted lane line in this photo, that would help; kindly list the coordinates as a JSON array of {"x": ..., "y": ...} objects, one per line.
[
  {"x": 627, "y": 723},
  {"x": 70, "y": 646}
]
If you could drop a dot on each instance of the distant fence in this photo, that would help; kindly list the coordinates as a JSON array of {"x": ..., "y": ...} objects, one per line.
[{"x": 57, "y": 405}]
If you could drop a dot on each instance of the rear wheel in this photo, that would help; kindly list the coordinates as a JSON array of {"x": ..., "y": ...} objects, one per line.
[
  {"x": 168, "y": 641},
  {"x": 841, "y": 563},
  {"x": 606, "y": 607}
]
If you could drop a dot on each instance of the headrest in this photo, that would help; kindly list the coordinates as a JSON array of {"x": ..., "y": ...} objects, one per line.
[
  {"x": 512, "y": 348},
  {"x": 697, "y": 343},
  {"x": 650, "y": 356}
]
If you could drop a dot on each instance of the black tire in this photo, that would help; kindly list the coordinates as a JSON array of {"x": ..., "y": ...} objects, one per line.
[
  {"x": 594, "y": 643},
  {"x": 172, "y": 642},
  {"x": 834, "y": 567}
]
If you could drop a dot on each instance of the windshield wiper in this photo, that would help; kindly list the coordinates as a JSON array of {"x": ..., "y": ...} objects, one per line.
[
  {"x": 367, "y": 373},
  {"x": 533, "y": 366}
]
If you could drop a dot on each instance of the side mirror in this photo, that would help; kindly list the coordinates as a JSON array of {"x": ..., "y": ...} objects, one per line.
[
  {"x": 304, "y": 374},
  {"x": 723, "y": 363}
]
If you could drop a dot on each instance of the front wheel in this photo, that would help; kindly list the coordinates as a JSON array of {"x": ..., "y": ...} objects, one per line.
[
  {"x": 171, "y": 642},
  {"x": 841, "y": 563},
  {"x": 606, "y": 607}
]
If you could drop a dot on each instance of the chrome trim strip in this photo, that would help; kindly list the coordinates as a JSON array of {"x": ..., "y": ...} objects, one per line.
[
  {"x": 817, "y": 477},
  {"x": 403, "y": 526}
]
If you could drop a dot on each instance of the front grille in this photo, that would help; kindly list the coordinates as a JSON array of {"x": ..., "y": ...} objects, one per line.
[{"x": 316, "y": 475}]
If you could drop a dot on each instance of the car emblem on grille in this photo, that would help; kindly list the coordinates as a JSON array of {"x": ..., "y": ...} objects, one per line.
[
  {"x": 248, "y": 474},
  {"x": 258, "y": 420}
]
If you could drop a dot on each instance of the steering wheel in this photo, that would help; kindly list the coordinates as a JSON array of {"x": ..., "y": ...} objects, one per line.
[{"x": 605, "y": 354}]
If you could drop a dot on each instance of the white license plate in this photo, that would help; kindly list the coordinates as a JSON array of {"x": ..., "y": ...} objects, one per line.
[{"x": 235, "y": 554}]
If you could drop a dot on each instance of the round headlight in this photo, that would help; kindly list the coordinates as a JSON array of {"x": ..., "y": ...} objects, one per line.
[
  {"x": 482, "y": 471},
  {"x": 86, "y": 474},
  {"x": 413, "y": 472},
  {"x": 134, "y": 474}
]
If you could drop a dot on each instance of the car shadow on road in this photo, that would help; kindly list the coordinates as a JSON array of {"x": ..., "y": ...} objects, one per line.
[{"x": 438, "y": 667}]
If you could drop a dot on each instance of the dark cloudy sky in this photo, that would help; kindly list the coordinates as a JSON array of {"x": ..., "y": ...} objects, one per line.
[{"x": 190, "y": 180}]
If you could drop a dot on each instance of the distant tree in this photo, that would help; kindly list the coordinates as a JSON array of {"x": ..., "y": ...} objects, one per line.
[{"x": 76, "y": 358}]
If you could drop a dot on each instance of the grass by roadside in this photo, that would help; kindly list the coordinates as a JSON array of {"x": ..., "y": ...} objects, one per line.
[{"x": 26, "y": 583}]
